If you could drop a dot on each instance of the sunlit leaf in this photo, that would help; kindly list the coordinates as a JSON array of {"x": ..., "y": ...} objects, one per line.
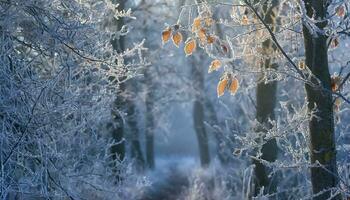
[
  {"x": 301, "y": 65},
  {"x": 214, "y": 66},
  {"x": 245, "y": 20},
  {"x": 177, "y": 39},
  {"x": 209, "y": 21},
  {"x": 190, "y": 46},
  {"x": 210, "y": 39},
  {"x": 222, "y": 86},
  {"x": 234, "y": 86},
  {"x": 335, "y": 82},
  {"x": 166, "y": 34},
  {"x": 337, "y": 104},
  {"x": 196, "y": 24},
  {"x": 202, "y": 35}
]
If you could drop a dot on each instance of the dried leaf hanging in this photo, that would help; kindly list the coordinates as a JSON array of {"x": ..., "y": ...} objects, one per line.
[
  {"x": 224, "y": 48},
  {"x": 335, "y": 83},
  {"x": 196, "y": 24},
  {"x": 340, "y": 11},
  {"x": 202, "y": 35},
  {"x": 222, "y": 86},
  {"x": 301, "y": 65},
  {"x": 190, "y": 46},
  {"x": 335, "y": 43},
  {"x": 337, "y": 104},
  {"x": 166, "y": 34},
  {"x": 210, "y": 39},
  {"x": 209, "y": 21},
  {"x": 234, "y": 86},
  {"x": 177, "y": 39},
  {"x": 214, "y": 66},
  {"x": 245, "y": 20}
]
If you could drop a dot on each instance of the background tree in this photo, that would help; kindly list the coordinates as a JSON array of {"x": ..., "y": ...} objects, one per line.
[
  {"x": 56, "y": 97},
  {"x": 265, "y": 103},
  {"x": 199, "y": 113},
  {"x": 118, "y": 149},
  {"x": 320, "y": 104}
]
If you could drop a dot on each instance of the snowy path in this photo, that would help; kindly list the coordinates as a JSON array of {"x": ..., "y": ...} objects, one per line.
[{"x": 169, "y": 180}]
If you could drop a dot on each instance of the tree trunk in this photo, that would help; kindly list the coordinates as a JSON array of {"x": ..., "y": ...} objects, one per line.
[
  {"x": 321, "y": 125},
  {"x": 223, "y": 150},
  {"x": 202, "y": 137},
  {"x": 198, "y": 114},
  {"x": 124, "y": 101},
  {"x": 136, "y": 152},
  {"x": 266, "y": 103},
  {"x": 149, "y": 123},
  {"x": 118, "y": 150}
]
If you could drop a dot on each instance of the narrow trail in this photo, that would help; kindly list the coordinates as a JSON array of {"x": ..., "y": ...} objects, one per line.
[{"x": 169, "y": 180}]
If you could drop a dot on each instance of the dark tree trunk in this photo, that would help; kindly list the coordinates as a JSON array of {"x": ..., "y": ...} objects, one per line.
[
  {"x": 118, "y": 150},
  {"x": 136, "y": 152},
  {"x": 150, "y": 145},
  {"x": 321, "y": 125},
  {"x": 198, "y": 111},
  {"x": 266, "y": 103},
  {"x": 202, "y": 137},
  {"x": 125, "y": 102},
  {"x": 149, "y": 123},
  {"x": 198, "y": 114},
  {"x": 222, "y": 147}
]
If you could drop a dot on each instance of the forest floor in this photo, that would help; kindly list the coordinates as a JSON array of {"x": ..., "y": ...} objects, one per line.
[
  {"x": 169, "y": 180},
  {"x": 181, "y": 179}
]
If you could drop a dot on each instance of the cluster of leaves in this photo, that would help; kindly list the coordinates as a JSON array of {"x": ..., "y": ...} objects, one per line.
[
  {"x": 201, "y": 32},
  {"x": 240, "y": 51}
]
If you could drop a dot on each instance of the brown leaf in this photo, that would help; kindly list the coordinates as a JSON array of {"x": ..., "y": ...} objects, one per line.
[
  {"x": 209, "y": 21},
  {"x": 166, "y": 34},
  {"x": 337, "y": 104},
  {"x": 341, "y": 11},
  {"x": 234, "y": 86},
  {"x": 301, "y": 65},
  {"x": 335, "y": 82},
  {"x": 335, "y": 43},
  {"x": 222, "y": 86},
  {"x": 202, "y": 35},
  {"x": 177, "y": 39},
  {"x": 245, "y": 20},
  {"x": 214, "y": 66},
  {"x": 224, "y": 48},
  {"x": 196, "y": 24},
  {"x": 190, "y": 46},
  {"x": 211, "y": 39}
]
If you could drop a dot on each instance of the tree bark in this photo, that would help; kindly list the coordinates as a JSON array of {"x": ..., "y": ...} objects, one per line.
[
  {"x": 266, "y": 103},
  {"x": 136, "y": 152},
  {"x": 198, "y": 114},
  {"x": 321, "y": 125},
  {"x": 222, "y": 147},
  {"x": 202, "y": 137},
  {"x": 124, "y": 101},
  {"x": 118, "y": 150},
  {"x": 149, "y": 123}
]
